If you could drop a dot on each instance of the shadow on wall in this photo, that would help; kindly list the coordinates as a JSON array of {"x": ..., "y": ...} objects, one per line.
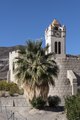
[{"x": 78, "y": 79}]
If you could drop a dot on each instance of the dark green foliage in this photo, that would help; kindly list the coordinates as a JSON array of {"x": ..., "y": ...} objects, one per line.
[
  {"x": 3, "y": 85},
  {"x": 13, "y": 89},
  {"x": 72, "y": 106},
  {"x": 53, "y": 101},
  {"x": 34, "y": 67},
  {"x": 38, "y": 103},
  {"x": 9, "y": 86},
  {"x": 21, "y": 91}
]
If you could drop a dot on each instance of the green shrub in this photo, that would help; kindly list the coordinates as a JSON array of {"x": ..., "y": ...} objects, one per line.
[
  {"x": 72, "y": 107},
  {"x": 3, "y": 85},
  {"x": 21, "y": 91},
  {"x": 8, "y": 85},
  {"x": 53, "y": 101},
  {"x": 13, "y": 89},
  {"x": 38, "y": 103}
]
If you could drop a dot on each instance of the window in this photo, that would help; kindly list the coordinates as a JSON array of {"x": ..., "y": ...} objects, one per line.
[
  {"x": 59, "y": 47},
  {"x": 56, "y": 47}
]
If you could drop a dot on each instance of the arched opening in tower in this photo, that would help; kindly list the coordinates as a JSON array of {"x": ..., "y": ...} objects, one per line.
[
  {"x": 59, "y": 47},
  {"x": 56, "y": 47}
]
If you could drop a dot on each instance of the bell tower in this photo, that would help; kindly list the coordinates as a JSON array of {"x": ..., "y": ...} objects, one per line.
[{"x": 55, "y": 36}]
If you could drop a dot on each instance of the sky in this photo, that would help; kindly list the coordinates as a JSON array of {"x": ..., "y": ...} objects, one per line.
[{"x": 21, "y": 20}]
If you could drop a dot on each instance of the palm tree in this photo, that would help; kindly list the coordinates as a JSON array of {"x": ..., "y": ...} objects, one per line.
[{"x": 35, "y": 69}]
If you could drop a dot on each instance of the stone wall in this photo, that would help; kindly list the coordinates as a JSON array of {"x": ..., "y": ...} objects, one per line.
[
  {"x": 62, "y": 84},
  {"x": 13, "y": 102}
]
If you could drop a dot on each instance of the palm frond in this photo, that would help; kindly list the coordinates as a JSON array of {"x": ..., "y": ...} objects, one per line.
[{"x": 34, "y": 66}]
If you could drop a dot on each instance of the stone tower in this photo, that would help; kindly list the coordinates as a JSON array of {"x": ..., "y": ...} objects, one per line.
[{"x": 55, "y": 36}]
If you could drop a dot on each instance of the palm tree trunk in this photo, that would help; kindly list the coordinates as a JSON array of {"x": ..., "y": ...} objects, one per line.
[{"x": 35, "y": 92}]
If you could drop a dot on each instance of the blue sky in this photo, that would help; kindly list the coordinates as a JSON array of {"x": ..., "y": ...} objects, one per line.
[{"x": 21, "y": 20}]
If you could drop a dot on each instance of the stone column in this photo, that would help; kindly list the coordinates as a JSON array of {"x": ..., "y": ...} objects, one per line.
[
  {"x": 74, "y": 88},
  {"x": 73, "y": 81}
]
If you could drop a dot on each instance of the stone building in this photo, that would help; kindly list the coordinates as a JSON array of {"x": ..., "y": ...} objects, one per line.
[{"x": 68, "y": 80}]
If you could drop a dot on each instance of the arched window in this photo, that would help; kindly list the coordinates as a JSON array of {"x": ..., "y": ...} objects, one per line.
[
  {"x": 56, "y": 47},
  {"x": 59, "y": 47}
]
